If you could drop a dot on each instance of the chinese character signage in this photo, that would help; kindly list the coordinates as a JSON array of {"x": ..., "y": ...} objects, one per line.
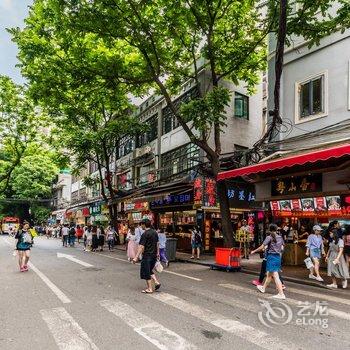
[
  {"x": 296, "y": 185},
  {"x": 198, "y": 191},
  {"x": 173, "y": 199},
  {"x": 210, "y": 193}
]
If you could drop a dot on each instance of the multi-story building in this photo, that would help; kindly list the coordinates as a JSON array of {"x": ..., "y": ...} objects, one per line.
[
  {"x": 306, "y": 177},
  {"x": 61, "y": 195}
]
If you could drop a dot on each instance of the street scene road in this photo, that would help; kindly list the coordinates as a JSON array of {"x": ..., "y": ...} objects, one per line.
[{"x": 71, "y": 299}]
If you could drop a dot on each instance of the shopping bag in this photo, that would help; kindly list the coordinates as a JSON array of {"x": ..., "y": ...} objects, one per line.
[
  {"x": 158, "y": 267},
  {"x": 309, "y": 264}
]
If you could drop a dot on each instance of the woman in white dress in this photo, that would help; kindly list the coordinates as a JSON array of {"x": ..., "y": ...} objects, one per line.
[{"x": 132, "y": 244}]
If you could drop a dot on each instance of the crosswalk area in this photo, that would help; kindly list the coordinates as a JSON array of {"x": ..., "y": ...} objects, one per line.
[{"x": 161, "y": 326}]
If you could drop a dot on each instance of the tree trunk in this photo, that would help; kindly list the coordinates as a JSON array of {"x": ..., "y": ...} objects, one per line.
[
  {"x": 227, "y": 229},
  {"x": 223, "y": 200}
]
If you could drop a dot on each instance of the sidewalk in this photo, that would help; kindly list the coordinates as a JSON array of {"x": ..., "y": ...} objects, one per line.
[{"x": 296, "y": 274}]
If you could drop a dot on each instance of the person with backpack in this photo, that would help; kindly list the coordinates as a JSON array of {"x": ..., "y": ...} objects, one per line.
[
  {"x": 110, "y": 234},
  {"x": 71, "y": 236},
  {"x": 24, "y": 243},
  {"x": 196, "y": 242}
]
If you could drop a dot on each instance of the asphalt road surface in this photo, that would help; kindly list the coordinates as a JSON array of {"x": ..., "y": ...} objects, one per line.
[{"x": 76, "y": 300}]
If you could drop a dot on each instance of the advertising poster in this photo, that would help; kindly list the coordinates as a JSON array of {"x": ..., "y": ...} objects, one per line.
[
  {"x": 320, "y": 204},
  {"x": 296, "y": 204},
  {"x": 333, "y": 204},
  {"x": 275, "y": 205},
  {"x": 286, "y": 205},
  {"x": 307, "y": 204}
]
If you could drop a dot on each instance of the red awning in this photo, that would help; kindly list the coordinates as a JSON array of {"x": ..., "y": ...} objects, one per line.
[{"x": 287, "y": 162}]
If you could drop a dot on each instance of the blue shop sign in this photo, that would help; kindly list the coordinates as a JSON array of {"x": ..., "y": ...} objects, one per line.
[
  {"x": 174, "y": 199},
  {"x": 239, "y": 194}
]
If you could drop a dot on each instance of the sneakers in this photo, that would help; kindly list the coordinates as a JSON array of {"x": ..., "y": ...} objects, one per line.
[
  {"x": 345, "y": 284},
  {"x": 319, "y": 279},
  {"x": 256, "y": 283},
  {"x": 332, "y": 286},
  {"x": 312, "y": 277},
  {"x": 279, "y": 296},
  {"x": 261, "y": 289}
]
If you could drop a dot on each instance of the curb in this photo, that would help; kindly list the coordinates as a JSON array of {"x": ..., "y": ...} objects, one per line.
[{"x": 255, "y": 273}]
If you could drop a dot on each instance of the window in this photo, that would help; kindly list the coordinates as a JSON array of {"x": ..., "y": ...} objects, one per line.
[
  {"x": 151, "y": 134},
  {"x": 170, "y": 122},
  {"x": 311, "y": 98},
  {"x": 180, "y": 160},
  {"x": 145, "y": 174},
  {"x": 126, "y": 145},
  {"x": 241, "y": 106}
]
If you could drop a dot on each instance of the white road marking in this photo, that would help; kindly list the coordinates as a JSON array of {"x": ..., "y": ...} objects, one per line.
[
  {"x": 332, "y": 312},
  {"x": 161, "y": 337},
  {"x": 72, "y": 258},
  {"x": 66, "y": 331},
  {"x": 320, "y": 296},
  {"x": 181, "y": 275},
  {"x": 60, "y": 295},
  {"x": 112, "y": 257},
  {"x": 246, "y": 332},
  {"x": 164, "y": 271}
]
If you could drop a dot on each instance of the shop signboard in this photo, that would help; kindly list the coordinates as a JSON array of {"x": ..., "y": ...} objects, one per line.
[
  {"x": 307, "y": 204},
  {"x": 275, "y": 205},
  {"x": 286, "y": 205},
  {"x": 95, "y": 209},
  {"x": 173, "y": 199},
  {"x": 334, "y": 205},
  {"x": 209, "y": 198},
  {"x": 320, "y": 204},
  {"x": 198, "y": 191},
  {"x": 140, "y": 206},
  {"x": 297, "y": 185},
  {"x": 296, "y": 204}
]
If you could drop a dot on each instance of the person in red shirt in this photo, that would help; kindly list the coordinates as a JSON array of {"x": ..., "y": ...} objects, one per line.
[{"x": 79, "y": 232}]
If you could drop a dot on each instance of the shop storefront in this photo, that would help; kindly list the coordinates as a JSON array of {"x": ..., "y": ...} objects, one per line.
[
  {"x": 176, "y": 215},
  {"x": 58, "y": 216},
  {"x": 98, "y": 213},
  {"x": 301, "y": 190}
]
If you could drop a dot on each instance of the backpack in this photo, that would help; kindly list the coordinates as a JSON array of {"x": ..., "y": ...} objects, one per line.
[
  {"x": 197, "y": 238},
  {"x": 26, "y": 237},
  {"x": 72, "y": 231}
]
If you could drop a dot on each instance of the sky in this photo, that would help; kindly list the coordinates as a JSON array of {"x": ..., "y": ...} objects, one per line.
[{"x": 12, "y": 14}]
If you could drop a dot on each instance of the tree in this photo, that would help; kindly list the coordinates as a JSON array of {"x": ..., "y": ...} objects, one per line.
[
  {"x": 158, "y": 44},
  {"x": 92, "y": 113},
  {"x": 18, "y": 125}
]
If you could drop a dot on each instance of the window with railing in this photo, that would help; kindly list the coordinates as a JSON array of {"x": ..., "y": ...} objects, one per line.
[
  {"x": 180, "y": 160},
  {"x": 145, "y": 174},
  {"x": 170, "y": 122},
  {"x": 150, "y": 134}
]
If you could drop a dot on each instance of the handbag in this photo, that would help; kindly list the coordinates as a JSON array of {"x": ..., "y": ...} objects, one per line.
[
  {"x": 158, "y": 266},
  {"x": 308, "y": 262}
]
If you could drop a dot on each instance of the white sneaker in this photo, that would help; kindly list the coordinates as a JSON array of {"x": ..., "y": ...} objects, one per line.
[
  {"x": 311, "y": 276},
  {"x": 345, "y": 284},
  {"x": 319, "y": 279},
  {"x": 332, "y": 286},
  {"x": 279, "y": 296},
  {"x": 261, "y": 289}
]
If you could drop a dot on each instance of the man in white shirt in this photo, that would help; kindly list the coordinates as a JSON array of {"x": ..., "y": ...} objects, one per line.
[
  {"x": 139, "y": 230},
  {"x": 65, "y": 233}
]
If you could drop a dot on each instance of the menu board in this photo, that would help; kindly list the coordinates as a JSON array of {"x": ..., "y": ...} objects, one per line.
[
  {"x": 275, "y": 205},
  {"x": 307, "y": 204},
  {"x": 333, "y": 204},
  {"x": 286, "y": 205},
  {"x": 320, "y": 204},
  {"x": 296, "y": 204}
]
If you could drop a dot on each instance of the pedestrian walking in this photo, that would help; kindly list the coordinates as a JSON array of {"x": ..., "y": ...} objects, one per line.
[
  {"x": 132, "y": 245},
  {"x": 71, "y": 236},
  {"x": 274, "y": 245},
  {"x": 260, "y": 281},
  {"x": 101, "y": 237},
  {"x": 88, "y": 238},
  {"x": 337, "y": 267},
  {"x": 149, "y": 248},
  {"x": 110, "y": 234},
  {"x": 65, "y": 235},
  {"x": 314, "y": 249},
  {"x": 94, "y": 239},
  {"x": 139, "y": 230},
  {"x": 196, "y": 242},
  {"x": 162, "y": 246},
  {"x": 24, "y": 243}
]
